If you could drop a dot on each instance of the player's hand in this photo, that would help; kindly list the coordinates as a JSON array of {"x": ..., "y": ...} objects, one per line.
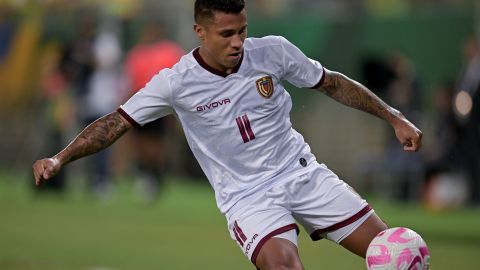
[
  {"x": 408, "y": 135},
  {"x": 45, "y": 169}
]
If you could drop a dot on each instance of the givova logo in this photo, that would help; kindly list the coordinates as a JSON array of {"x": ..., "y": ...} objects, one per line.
[{"x": 213, "y": 105}]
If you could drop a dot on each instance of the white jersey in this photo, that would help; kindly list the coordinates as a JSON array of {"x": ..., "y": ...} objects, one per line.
[{"x": 237, "y": 125}]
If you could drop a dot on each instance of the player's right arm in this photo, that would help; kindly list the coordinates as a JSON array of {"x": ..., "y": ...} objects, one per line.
[{"x": 97, "y": 136}]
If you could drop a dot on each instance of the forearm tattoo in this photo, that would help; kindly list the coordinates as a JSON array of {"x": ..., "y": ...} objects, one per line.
[
  {"x": 355, "y": 95},
  {"x": 95, "y": 137}
]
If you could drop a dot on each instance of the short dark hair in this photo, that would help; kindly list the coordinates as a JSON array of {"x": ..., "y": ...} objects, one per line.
[{"x": 206, "y": 8}]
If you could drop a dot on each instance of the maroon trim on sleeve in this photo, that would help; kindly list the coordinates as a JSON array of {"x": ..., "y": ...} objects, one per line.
[
  {"x": 316, "y": 235},
  {"x": 198, "y": 57},
  {"x": 128, "y": 117},
  {"x": 270, "y": 235},
  {"x": 321, "y": 80}
]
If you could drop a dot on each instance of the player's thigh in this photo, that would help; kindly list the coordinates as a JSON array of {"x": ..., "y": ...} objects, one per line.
[
  {"x": 278, "y": 253},
  {"x": 358, "y": 241},
  {"x": 259, "y": 218},
  {"x": 323, "y": 204}
]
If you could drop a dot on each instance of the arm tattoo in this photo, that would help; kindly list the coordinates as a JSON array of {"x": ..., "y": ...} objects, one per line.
[
  {"x": 95, "y": 137},
  {"x": 355, "y": 95}
]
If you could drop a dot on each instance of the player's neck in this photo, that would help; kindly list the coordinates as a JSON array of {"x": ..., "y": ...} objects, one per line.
[{"x": 208, "y": 59}]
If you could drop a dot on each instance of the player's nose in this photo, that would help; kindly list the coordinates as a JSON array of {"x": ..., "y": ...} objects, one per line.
[{"x": 236, "y": 42}]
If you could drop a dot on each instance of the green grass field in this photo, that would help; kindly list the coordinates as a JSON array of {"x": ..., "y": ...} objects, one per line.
[{"x": 183, "y": 230}]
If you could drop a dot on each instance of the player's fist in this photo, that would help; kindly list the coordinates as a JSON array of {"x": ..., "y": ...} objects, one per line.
[
  {"x": 45, "y": 169},
  {"x": 408, "y": 135}
]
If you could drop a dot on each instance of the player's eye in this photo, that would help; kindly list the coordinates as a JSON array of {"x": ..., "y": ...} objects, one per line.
[{"x": 226, "y": 34}]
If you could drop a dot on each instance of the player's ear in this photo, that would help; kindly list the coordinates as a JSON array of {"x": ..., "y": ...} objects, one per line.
[{"x": 199, "y": 30}]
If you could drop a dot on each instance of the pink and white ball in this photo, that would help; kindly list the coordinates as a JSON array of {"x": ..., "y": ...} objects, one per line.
[{"x": 398, "y": 249}]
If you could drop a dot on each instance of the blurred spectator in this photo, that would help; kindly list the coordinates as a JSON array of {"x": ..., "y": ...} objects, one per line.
[
  {"x": 152, "y": 54},
  {"x": 441, "y": 154},
  {"x": 58, "y": 104},
  {"x": 92, "y": 64},
  {"x": 394, "y": 173},
  {"x": 77, "y": 65},
  {"x": 445, "y": 186},
  {"x": 404, "y": 170},
  {"x": 404, "y": 89},
  {"x": 104, "y": 94},
  {"x": 467, "y": 111},
  {"x": 78, "y": 61}
]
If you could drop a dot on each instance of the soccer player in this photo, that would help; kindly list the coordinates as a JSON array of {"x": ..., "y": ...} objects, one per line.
[{"x": 229, "y": 98}]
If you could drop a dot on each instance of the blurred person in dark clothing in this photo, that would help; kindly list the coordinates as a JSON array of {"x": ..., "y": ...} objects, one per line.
[
  {"x": 80, "y": 66},
  {"x": 78, "y": 62},
  {"x": 395, "y": 79},
  {"x": 151, "y": 54},
  {"x": 442, "y": 153},
  {"x": 403, "y": 92},
  {"x": 445, "y": 181}
]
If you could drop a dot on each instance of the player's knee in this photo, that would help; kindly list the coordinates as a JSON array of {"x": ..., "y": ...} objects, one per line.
[
  {"x": 285, "y": 261},
  {"x": 358, "y": 241}
]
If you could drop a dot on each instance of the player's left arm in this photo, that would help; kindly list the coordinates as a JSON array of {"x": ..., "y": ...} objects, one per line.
[{"x": 355, "y": 95}]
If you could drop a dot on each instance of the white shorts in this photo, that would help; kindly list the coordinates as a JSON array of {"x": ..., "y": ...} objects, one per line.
[{"x": 316, "y": 198}]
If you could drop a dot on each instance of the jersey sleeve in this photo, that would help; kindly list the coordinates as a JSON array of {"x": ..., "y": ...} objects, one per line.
[
  {"x": 298, "y": 69},
  {"x": 150, "y": 103}
]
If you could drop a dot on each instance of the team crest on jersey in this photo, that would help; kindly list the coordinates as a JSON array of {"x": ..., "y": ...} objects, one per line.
[{"x": 265, "y": 86}]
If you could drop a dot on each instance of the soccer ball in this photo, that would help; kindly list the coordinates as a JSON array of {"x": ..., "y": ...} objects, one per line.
[{"x": 398, "y": 249}]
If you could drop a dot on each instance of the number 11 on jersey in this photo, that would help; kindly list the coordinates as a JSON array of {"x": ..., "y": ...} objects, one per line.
[{"x": 245, "y": 128}]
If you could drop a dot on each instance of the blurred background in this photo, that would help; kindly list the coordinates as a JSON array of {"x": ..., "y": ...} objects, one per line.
[{"x": 145, "y": 204}]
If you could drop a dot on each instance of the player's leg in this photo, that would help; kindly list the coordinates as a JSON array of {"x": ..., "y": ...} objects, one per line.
[
  {"x": 329, "y": 208},
  {"x": 279, "y": 253},
  {"x": 358, "y": 241},
  {"x": 265, "y": 229}
]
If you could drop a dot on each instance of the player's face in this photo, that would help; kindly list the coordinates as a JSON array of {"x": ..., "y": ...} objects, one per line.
[{"x": 222, "y": 39}]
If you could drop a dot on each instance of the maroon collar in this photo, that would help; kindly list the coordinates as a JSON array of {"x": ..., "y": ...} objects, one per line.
[{"x": 198, "y": 57}]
